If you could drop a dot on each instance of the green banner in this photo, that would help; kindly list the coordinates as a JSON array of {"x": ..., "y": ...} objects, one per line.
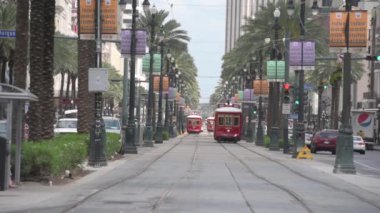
[
  {"x": 276, "y": 71},
  {"x": 156, "y": 63}
]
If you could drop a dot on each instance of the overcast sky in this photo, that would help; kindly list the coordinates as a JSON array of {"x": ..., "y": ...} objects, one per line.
[{"x": 204, "y": 20}]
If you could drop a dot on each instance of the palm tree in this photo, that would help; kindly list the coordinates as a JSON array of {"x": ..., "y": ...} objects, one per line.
[
  {"x": 21, "y": 46},
  {"x": 175, "y": 40},
  {"x": 41, "y": 114},
  {"x": 7, "y": 22},
  {"x": 65, "y": 64}
]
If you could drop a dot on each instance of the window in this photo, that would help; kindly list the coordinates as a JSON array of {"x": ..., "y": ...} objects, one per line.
[
  {"x": 236, "y": 121},
  {"x": 221, "y": 121}
]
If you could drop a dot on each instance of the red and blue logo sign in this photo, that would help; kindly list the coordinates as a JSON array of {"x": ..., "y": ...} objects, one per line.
[{"x": 364, "y": 120}]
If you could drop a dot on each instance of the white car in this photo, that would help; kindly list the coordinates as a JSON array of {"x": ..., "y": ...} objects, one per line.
[
  {"x": 359, "y": 144},
  {"x": 112, "y": 124},
  {"x": 66, "y": 125}
]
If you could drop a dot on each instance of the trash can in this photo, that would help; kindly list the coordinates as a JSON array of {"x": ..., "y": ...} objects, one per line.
[{"x": 3, "y": 167}]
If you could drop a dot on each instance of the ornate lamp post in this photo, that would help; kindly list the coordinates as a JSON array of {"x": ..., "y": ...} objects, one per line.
[
  {"x": 250, "y": 104},
  {"x": 130, "y": 131},
  {"x": 97, "y": 155},
  {"x": 344, "y": 162},
  {"x": 148, "y": 133},
  {"x": 300, "y": 126},
  {"x": 275, "y": 130},
  {"x": 260, "y": 132},
  {"x": 159, "y": 138}
]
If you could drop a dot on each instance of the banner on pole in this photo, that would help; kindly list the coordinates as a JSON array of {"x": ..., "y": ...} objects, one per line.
[
  {"x": 109, "y": 19},
  {"x": 126, "y": 39},
  {"x": 301, "y": 55},
  {"x": 357, "y": 28},
  {"x": 156, "y": 63},
  {"x": 276, "y": 71}
]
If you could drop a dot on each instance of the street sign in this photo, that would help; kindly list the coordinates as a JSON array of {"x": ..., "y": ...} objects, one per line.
[
  {"x": 286, "y": 109},
  {"x": 7, "y": 33}
]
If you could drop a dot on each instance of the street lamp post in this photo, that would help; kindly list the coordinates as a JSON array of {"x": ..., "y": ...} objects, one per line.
[
  {"x": 344, "y": 162},
  {"x": 260, "y": 131},
  {"x": 130, "y": 147},
  {"x": 97, "y": 155},
  {"x": 159, "y": 137},
  {"x": 250, "y": 104},
  {"x": 300, "y": 126},
  {"x": 275, "y": 130},
  {"x": 148, "y": 133}
]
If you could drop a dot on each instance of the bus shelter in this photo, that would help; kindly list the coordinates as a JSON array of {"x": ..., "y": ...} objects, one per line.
[{"x": 13, "y": 101}]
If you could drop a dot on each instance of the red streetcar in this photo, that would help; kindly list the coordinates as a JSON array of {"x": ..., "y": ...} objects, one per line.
[
  {"x": 210, "y": 124},
  {"x": 228, "y": 123},
  {"x": 194, "y": 124}
]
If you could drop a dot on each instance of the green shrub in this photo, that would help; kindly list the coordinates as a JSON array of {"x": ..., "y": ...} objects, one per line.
[
  {"x": 51, "y": 157},
  {"x": 165, "y": 135},
  {"x": 113, "y": 144}
]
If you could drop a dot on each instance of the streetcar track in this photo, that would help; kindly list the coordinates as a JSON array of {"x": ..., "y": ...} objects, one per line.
[
  {"x": 288, "y": 191},
  {"x": 316, "y": 180},
  {"x": 87, "y": 197},
  {"x": 172, "y": 186},
  {"x": 240, "y": 190}
]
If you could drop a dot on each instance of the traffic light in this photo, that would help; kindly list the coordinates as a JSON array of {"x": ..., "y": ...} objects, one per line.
[
  {"x": 373, "y": 58},
  {"x": 286, "y": 89},
  {"x": 296, "y": 97},
  {"x": 254, "y": 110},
  {"x": 305, "y": 96}
]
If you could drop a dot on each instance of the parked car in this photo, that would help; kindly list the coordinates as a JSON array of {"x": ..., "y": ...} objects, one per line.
[
  {"x": 66, "y": 125},
  {"x": 324, "y": 140},
  {"x": 359, "y": 144},
  {"x": 112, "y": 124}
]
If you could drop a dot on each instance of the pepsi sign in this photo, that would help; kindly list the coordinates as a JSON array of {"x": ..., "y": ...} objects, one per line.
[{"x": 364, "y": 119}]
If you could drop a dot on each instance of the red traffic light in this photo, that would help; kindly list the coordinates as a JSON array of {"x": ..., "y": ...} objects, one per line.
[{"x": 287, "y": 86}]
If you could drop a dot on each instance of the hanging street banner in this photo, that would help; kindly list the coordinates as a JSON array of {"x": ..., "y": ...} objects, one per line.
[
  {"x": 357, "y": 28},
  {"x": 301, "y": 55},
  {"x": 261, "y": 87},
  {"x": 7, "y": 33},
  {"x": 126, "y": 38},
  {"x": 109, "y": 19},
  {"x": 156, "y": 63},
  {"x": 276, "y": 71}
]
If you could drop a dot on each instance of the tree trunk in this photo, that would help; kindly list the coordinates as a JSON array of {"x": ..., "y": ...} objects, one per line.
[
  {"x": 41, "y": 69},
  {"x": 21, "y": 47},
  {"x": 48, "y": 107},
  {"x": 60, "y": 105},
  {"x": 73, "y": 90},
  {"x": 86, "y": 100},
  {"x": 68, "y": 81},
  {"x": 10, "y": 65},
  {"x": 36, "y": 68}
]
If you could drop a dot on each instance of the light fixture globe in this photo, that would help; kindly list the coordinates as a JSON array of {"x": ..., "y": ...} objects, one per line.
[
  {"x": 290, "y": 8},
  {"x": 315, "y": 8},
  {"x": 153, "y": 10},
  {"x": 146, "y": 5},
  {"x": 276, "y": 13}
]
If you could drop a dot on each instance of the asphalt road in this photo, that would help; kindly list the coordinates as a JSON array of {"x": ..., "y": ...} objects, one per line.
[{"x": 195, "y": 174}]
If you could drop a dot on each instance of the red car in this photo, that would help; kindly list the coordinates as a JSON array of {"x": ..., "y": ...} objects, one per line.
[{"x": 324, "y": 140}]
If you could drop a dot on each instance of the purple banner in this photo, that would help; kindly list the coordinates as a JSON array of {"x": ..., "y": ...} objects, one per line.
[
  {"x": 248, "y": 95},
  {"x": 172, "y": 93},
  {"x": 126, "y": 38},
  {"x": 297, "y": 57}
]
